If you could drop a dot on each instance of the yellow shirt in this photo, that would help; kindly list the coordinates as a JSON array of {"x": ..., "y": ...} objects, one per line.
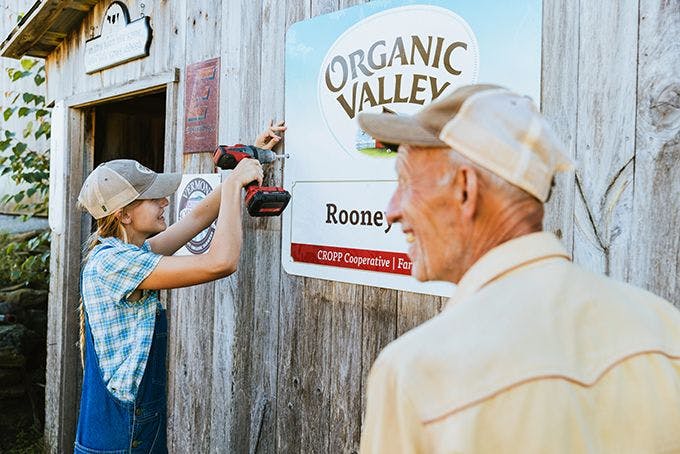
[{"x": 533, "y": 354}]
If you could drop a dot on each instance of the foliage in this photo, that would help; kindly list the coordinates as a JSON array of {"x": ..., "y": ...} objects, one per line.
[
  {"x": 28, "y": 168},
  {"x": 25, "y": 259}
]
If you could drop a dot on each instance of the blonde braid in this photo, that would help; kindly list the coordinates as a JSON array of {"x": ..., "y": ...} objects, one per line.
[{"x": 109, "y": 226}]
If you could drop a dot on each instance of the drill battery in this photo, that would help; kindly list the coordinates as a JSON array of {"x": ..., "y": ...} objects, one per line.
[{"x": 266, "y": 200}]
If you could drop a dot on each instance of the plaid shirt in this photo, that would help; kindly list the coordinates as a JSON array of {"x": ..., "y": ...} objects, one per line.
[{"x": 122, "y": 330}]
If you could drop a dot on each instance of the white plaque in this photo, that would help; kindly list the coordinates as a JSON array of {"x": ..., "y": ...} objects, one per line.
[
  {"x": 120, "y": 40},
  {"x": 192, "y": 190}
]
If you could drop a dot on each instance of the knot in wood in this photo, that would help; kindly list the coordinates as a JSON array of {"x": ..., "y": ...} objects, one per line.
[{"x": 665, "y": 108}]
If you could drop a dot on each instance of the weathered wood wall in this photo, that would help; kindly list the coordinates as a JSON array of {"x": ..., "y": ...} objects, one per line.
[{"x": 266, "y": 362}]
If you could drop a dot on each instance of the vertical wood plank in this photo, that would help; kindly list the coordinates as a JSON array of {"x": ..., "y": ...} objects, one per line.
[
  {"x": 414, "y": 309},
  {"x": 655, "y": 253},
  {"x": 379, "y": 328},
  {"x": 259, "y": 50},
  {"x": 606, "y": 131},
  {"x": 224, "y": 396},
  {"x": 304, "y": 356},
  {"x": 289, "y": 411},
  {"x": 174, "y": 130},
  {"x": 191, "y": 354},
  {"x": 559, "y": 103},
  {"x": 63, "y": 358},
  {"x": 345, "y": 369},
  {"x": 193, "y": 313}
]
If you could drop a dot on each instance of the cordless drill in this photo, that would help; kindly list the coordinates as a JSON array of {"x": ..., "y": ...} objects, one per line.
[{"x": 260, "y": 200}]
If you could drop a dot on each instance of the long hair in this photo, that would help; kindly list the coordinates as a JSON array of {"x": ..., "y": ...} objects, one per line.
[{"x": 108, "y": 226}]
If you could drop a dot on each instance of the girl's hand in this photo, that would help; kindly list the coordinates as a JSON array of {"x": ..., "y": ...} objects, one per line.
[
  {"x": 271, "y": 136},
  {"x": 246, "y": 171}
]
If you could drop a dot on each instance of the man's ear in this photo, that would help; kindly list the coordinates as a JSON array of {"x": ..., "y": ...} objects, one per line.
[{"x": 466, "y": 190}]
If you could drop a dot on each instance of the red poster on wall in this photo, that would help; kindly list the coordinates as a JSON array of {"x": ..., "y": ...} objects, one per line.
[{"x": 201, "y": 106}]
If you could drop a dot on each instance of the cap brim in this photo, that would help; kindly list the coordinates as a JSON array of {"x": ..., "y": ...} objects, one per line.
[
  {"x": 398, "y": 129},
  {"x": 164, "y": 185}
]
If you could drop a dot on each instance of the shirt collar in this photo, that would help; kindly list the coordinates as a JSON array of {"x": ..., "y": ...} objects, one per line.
[
  {"x": 117, "y": 242},
  {"x": 507, "y": 257}
]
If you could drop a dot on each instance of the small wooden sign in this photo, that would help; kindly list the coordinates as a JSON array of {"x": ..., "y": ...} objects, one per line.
[
  {"x": 201, "y": 104},
  {"x": 120, "y": 40}
]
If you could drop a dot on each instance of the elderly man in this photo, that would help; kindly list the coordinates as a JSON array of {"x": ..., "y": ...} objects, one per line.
[{"x": 532, "y": 354}]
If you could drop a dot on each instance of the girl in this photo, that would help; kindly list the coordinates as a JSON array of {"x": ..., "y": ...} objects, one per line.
[{"x": 123, "y": 325}]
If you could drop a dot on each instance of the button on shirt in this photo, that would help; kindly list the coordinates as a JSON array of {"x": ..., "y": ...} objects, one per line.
[
  {"x": 533, "y": 354},
  {"x": 122, "y": 330}
]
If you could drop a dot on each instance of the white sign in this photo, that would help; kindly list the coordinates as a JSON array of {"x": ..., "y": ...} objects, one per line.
[
  {"x": 120, "y": 40},
  {"x": 383, "y": 56},
  {"x": 192, "y": 190}
]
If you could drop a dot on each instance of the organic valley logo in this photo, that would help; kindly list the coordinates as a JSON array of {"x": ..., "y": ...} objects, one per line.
[{"x": 394, "y": 61}]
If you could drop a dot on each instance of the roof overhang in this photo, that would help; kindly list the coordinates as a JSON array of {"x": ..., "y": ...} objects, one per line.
[{"x": 44, "y": 27}]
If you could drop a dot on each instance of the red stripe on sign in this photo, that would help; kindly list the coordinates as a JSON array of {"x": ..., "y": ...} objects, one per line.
[{"x": 358, "y": 259}]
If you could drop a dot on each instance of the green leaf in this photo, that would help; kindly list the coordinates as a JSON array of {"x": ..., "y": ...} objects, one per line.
[
  {"x": 8, "y": 112},
  {"x": 18, "y": 197},
  {"x": 29, "y": 262},
  {"x": 43, "y": 129},
  {"x": 19, "y": 148},
  {"x": 28, "y": 97},
  {"x": 23, "y": 111},
  {"x": 28, "y": 129},
  {"x": 41, "y": 113},
  {"x": 4, "y": 144},
  {"x": 9, "y": 134},
  {"x": 28, "y": 63},
  {"x": 39, "y": 79}
]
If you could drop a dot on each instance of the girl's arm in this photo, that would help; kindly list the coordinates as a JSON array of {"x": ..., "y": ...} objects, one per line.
[
  {"x": 223, "y": 256},
  {"x": 177, "y": 235}
]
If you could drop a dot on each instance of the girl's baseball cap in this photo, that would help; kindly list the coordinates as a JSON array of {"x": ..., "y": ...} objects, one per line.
[{"x": 114, "y": 184}]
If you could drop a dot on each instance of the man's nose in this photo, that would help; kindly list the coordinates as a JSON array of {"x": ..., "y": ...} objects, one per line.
[{"x": 394, "y": 208}]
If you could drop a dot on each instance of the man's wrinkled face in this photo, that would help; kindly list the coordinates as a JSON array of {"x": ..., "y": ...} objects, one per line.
[{"x": 425, "y": 206}]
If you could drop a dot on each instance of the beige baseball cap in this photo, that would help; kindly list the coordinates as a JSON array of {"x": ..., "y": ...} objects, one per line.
[
  {"x": 114, "y": 184},
  {"x": 490, "y": 125}
]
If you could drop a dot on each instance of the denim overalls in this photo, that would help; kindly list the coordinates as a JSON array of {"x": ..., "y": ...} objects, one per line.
[{"x": 106, "y": 424}]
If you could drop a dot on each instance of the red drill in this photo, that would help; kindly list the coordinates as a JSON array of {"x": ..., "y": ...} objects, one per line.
[{"x": 260, "y": 200}]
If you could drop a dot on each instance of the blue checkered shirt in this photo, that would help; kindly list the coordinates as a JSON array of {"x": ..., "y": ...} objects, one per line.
[{"x": 122, "y": 330}]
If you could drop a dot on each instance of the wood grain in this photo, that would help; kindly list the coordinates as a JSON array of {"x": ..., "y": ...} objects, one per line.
[
  {"x": 654, "y": 258},
  {"x": 606, "y": 132},
  {"x": 559, "y": 103}
]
